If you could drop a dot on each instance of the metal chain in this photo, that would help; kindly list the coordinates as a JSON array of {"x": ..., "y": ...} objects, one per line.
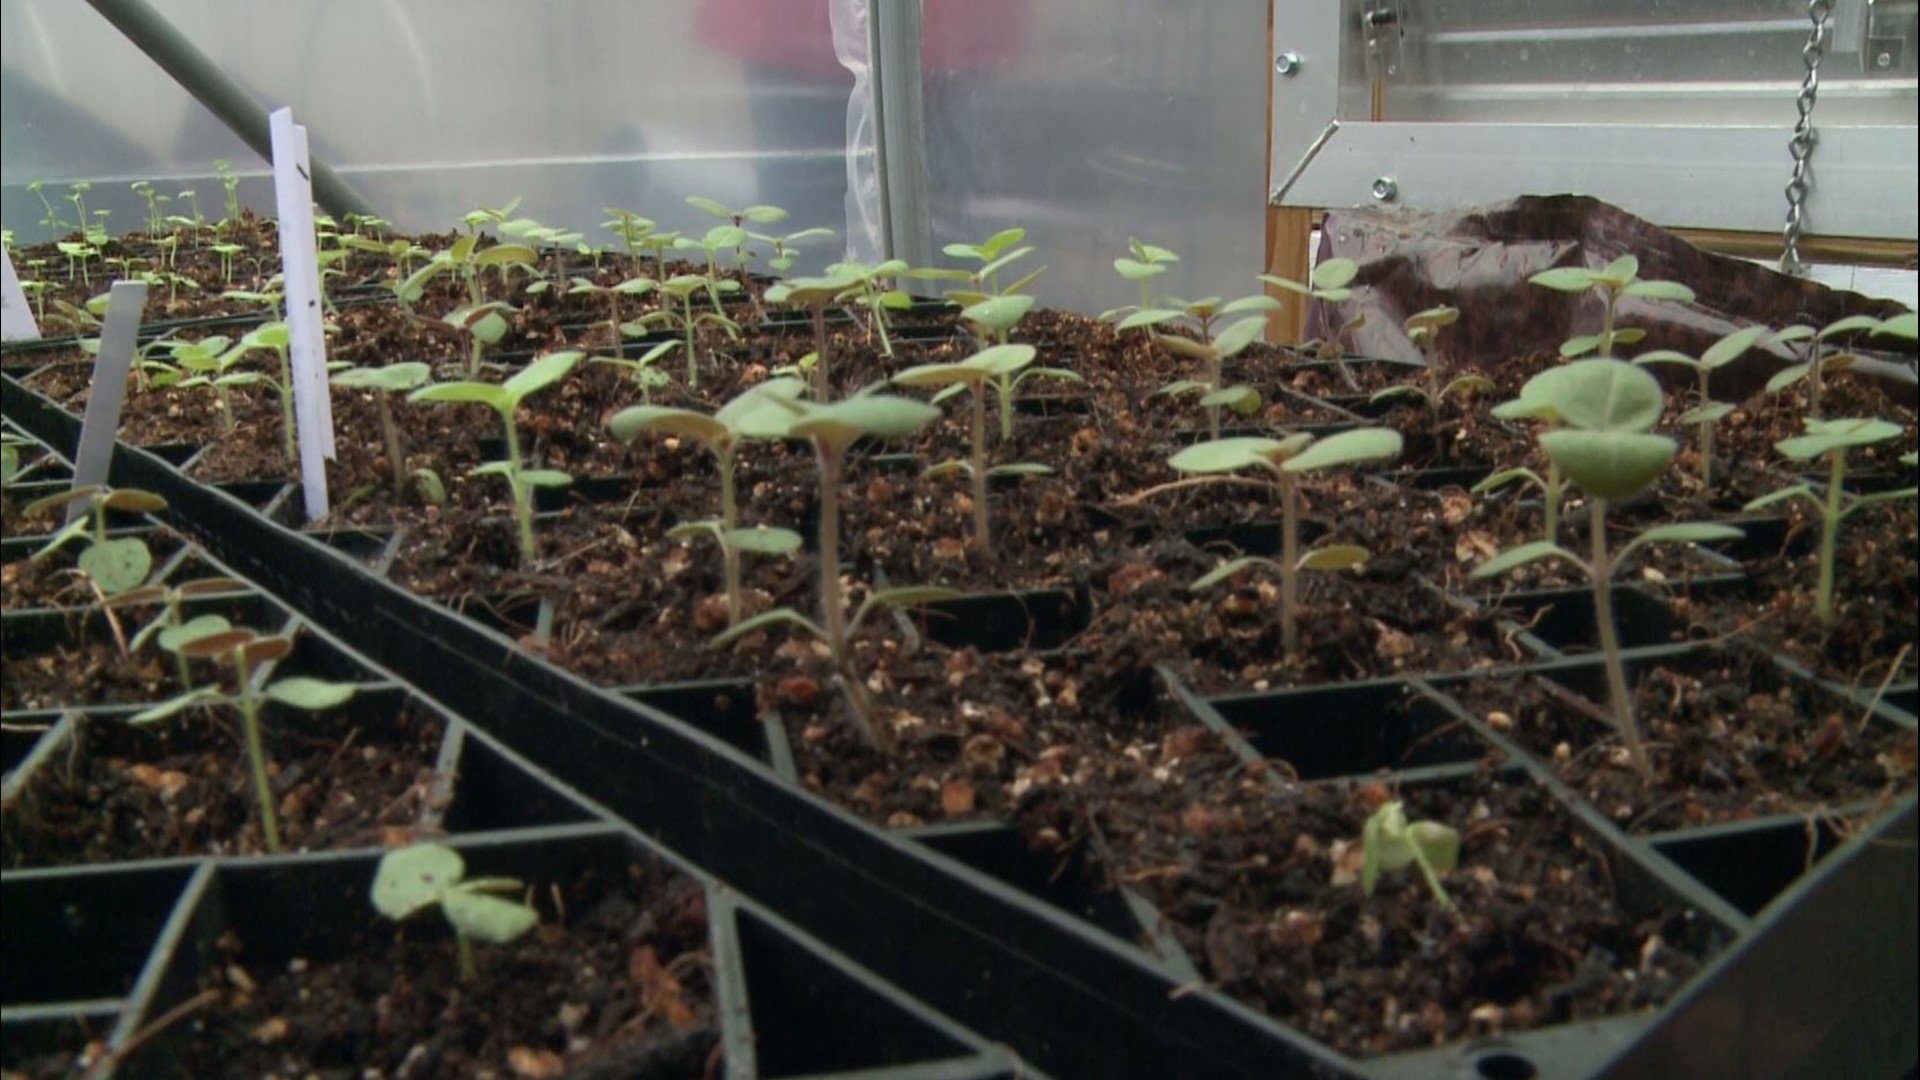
[{"x": 1804, "y": 138}]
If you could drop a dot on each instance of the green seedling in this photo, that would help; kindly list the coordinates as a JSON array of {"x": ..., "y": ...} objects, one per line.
[
  {"x": 245, "y": 650},
  {"x": 465, "y": 260},
  {"x": 1621, "y": 277},
  {"x": 156, "y": 222},
  {"x": 37, "y": 288},
  {"x": 678, "y": 312},
  {"x": 171, "y": 629},
  {"x": 992, "y": 320},
  {"x": 1394, "y": 843},
  {"x": 998, "y": 365},
  {"x": 10, "y": 445},
  {"x": 197, "y": 221},
  {"x": 717, "y": 239},
  {"x": 113, "y": 564},
  {"x": 1537, "y": 402},
  {"x": 758, "y": 215},
  {"x": 871, "y": 289},
  {"x": 1814, "y": 368},
  {"x": 833, "y": 429},
  {"x": 1434, "y": 390},
  {"x": 1285, "y": 461},
  {"x": 645, "y": 376},
  {"x": 56, "y": 228},
  {"x": 722, "y": 434},
  {"x": 1147, "y": 263},
  {"x": 505, "y": 399},
  {"x": 1833, "y": 438},
  {"x": 1708, "y": 412},
  {"x": 541, "y": 236},
  {"x": 484, "y": 325},
  {"x": 77, "y": 195},
  {"x": 814, "y": 293},
  {"x": 1214, "y": 346},
  {"x": 785, "y": 252},
  {"x": 231, "y": 183},
  {"x": 659, "y": 243},
  {"x": 414, "y": 878},
  {"x": 999, "y": 314},
  {"x": 274, "y": 337},
  {"x": 227, "y": 251},
  {"x": 400, "y": 250},
  {"x": 1607, "y": 409},
  {"x": 1332, "y": 282},
  {"x": 634, "y": 287},
  {"x": 78, "y": 254},
  {"x": 630, "y": 227},
  {"x": 994, "y": 255},
  {"x": 384, "y": 382},
  {"x": 482, "y": 216}
]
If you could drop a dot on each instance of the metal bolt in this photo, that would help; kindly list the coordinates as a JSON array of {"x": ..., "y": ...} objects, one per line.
[
  {"x": 1385, "y": 190},
  {"x": 1288, "y": 64},
  {"x": 1273, "y": 197},
  {"x": 1882, "y": 61}
]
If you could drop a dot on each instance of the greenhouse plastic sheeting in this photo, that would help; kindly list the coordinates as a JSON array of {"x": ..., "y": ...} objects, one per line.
[
  {"x": 432, "y": 107},
  {"x": 1479, "y": 260}
]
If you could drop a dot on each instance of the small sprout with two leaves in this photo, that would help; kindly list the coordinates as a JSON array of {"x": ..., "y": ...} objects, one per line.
[
  {"x": 1619, "y": 278},
  {"x": 999, "y": 366},
  {"x": 231, "y": 182},
  {"x": 1833, "y": 438},
  {"x": 1330, "y": 282},
  {"x": 741, "y": 216},
  {"x": 466, "y": 259},
  {"x": 1537, "y": 403},
  {"x": 1285, "y": 461},
  {"x": 1606, "y": 410},
  {"x": 12, "y": 469},
  {"x": 833, "y": 429},
  {"x": 1214, "y": 347},
  {"x": 77, "y": 195},
  {"x": 504, "y": 399},
  {"x": 481, "y": 216},
  {"x": 635, "y": 287},
  {"x": 245, "y": 650},
  {"x": 484, "y": 325},
  {"x": 1393, "y": 843},
  {"x": 1814, "y": 368},
  {"x": 414, "y": 878},
  {"x": 994, "y": 254},
  {"x": 814, "y": 294},
  {"x": 785, "y": 247},
  {"x": 156, "y": 223},
  {"x": 385, "y": 381},
  {"x": 630, "y": 227},
  {"x": 993, "y": 318},
  {"x": 1147, "y": 262},
  {"x": 274, "y": 337},
  {"x": 722, "y": 434},
  {"x": 678, "y": 311},
  {"x": 55, "y": 226},
  {"x": 1005, "y": 379},
  {"x": 171, "y": 628},
  {"x": 400, "y": 250},
  {"x": 113, "y": 564},
  {"x": 1708, "y": 412},
  {"x": 717, "y": 239},
  {"x": 645, "y": 376},
  {"x": 1423, "y": 329},
  {"x": 872, "y": 288}
]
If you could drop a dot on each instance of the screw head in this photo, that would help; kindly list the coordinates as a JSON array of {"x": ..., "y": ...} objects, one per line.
[
  {"x": 1288, "y": 64},
  {"x": 1883, "y": 61},
  {"x": 1385, "y": 190}
]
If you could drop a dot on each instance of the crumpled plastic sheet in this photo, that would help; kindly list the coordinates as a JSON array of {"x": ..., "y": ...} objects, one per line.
[{"x": 1479, "y": 260}]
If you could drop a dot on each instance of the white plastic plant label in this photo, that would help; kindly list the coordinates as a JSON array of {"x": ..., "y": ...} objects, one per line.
[
  {"x": 108, "y": 392},
  {"x": 313, "y": 408},
  {"x": 16, "y": 318}
]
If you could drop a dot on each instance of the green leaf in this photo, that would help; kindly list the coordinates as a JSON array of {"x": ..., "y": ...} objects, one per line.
[
  {"x": 1729, "y": 348},
  {"x": 1683, "y": 533},
  {"x": 1346, "y": 448},
  {"x": 1333, "y": 557},
  {"x": 947, "y": 468},
  {"x": 1233, "y": 339},
  {"x": 1256, "y": 302},
  {"x": 1667, "y": 356},
  {"x": 940, "y": 375},
  {"x": 763, "y": 540},
  {"x": 176, "y": 705},
  {"x": 310, "y": 695},
  {"x": 629, "y": 423},
  {"x": 116, "y": 565},
  {"x": 1579, "y": 345},
  {"x": 1565, "y": 279},
  {"x": 1660, "y": 290},
  {"x": 1244, "y": 400},
  {"x": 432, "y": 489},
  {"x": 999, "y": 313},
  {"x": 506, "y": 254},
  {"x": 42, "y": 505},
  {"x": 1797, "y": 491},
  {"x": 545, "y": 478},
  {"x": 1149, "y": 317},
  {"x": 1787, "y": 376},
  {"x": 1134, "y": 271},
  {"x": 710, "y": 206},
  {"x": 1198, "y": 350},
  {"x": 1020, "y": 468},
  {"x": 473, "y": 393},
  {"x": 541, "y": 373},
  {"x": 487, "y": 918},
  {"x": 415, "y": 877},
  {"x": 1790, "y": 335},
  {"x": 1182, "y": 386},
  {"x": 1824, "y": 436},
  {"x": 133, "y": 501},
  {"x": 393, "y": 378},
  {"x": 1609, "y": 464},
  {"x": 1335, "y": 273},
  {"x": 1522, "y": 555},
  {"x": 1239, "y": 452},
  {"x": 1439, "y": 843},
  {"x": 1001, "y": 360},
  {"x": 766, "y": 619},
  {"x": 1467, "y": 384},
  {"x": 1712, "y": 412},
  {"x": 987, "y": 270},
  {"x": 1849, "y": 325},
  {"x": 1433, "y": 318},
  {"x": 66, "y": 534},
  {"x": 175, "y": 638},
  {"x": 1621, "y": 270},
  {"x": 1287, "y": 283},
  {"x": 1900, "y": 326},
  {"x": 1606, "y": 395},
  {"x": 1508, "y": 476},
  {"x": 839, "y": 424},
  {"x": 1228, "y": 569}
]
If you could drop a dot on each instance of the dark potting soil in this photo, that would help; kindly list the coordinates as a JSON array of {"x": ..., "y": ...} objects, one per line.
[
  {"x": 618, "y": 984},
  {"x": 1729, "y": 734},
  {"x": 1263, "y": 890},
  {"x": 181, "y": 787}
]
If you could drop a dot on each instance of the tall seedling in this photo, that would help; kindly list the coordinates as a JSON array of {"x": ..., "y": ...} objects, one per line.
[
  {"x": 1000, "y": 363},
  {"x": 1708, "y": 412},
  {"x": 815, "y": 293},
  {"x": 114, "y": 564},
  {"x": 384, "y": 381},
  {"x": 1608, "y": 408},
  {"x": 1331, "y": 282},
  {"x": 1814, "y": 368},
  {"x": 1213, "y": 348},
  {"x": 1621, "y": 277},
  {"x": 1285, "y": 461}
]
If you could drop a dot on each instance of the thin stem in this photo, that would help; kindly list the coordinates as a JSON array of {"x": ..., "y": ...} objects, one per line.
[
  {"x": 1622, "y": 701},
  {"x": 1706, "y": 434},
  {"x": 686, "y": 320},
  {"x": 820, "y": 352},
  {"x": 391, "y": 434},
  {"x": 1552, "y": 495},
  {"x": 286, "y": 405},
  {"x": 1004, "y": 384},
  {"x": 979, "y": 468},
  {"x": 1289, "y": 569},
  {"x": 619, "y": 339},
  {"x": 174, "y": 618},
  {"x": 256, "y": 755},
  {"x": 1813, "y": 381},
  {"x": 1213, "y": 386},
  {"x": 522, "y": 495},
  {"x": 729, "y": 520},
  {"x": 1606, "y": 326},
  {"x": 831, "y": 604},
  {"x": 1830, "y": 532},
  {"x": 468, "y": 972}
]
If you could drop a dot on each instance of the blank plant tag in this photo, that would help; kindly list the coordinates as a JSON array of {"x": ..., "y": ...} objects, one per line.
[
  {"x": 16, "y": 318},
  {"x": 108, "y": 392},
  {"x": 313, "y": 408}
]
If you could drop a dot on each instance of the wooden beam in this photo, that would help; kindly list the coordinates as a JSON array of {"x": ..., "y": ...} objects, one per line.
[
  {"x": 1289, "y": 232},
  {"x": 1851, "y": 250}
]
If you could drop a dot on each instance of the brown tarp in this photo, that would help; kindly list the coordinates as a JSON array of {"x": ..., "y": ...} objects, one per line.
[{"x": 1479, "y": 259}]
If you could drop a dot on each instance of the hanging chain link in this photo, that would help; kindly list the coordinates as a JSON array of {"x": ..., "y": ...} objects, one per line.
[{"x": 1804, "y": 138}]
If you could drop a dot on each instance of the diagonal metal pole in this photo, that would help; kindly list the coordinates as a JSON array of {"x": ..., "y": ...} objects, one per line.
[{"x": 213, "y": 88}]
